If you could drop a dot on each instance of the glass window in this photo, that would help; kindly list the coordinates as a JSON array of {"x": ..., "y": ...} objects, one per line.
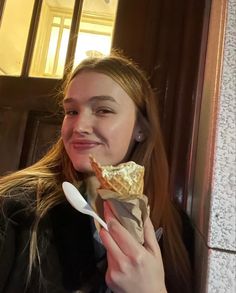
[
  {"x": 96, "y": 29},
  {"x": 56, "y": 20},
  {"x": 13, "y": 35},
  {"x": 52, "y": 38},
  {"x": 94, "y": 37}
]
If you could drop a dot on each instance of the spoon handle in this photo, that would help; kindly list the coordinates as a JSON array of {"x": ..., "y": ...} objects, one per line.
[
  {"x": 96, "y": 217},
  {"x": 79, "y": 203}
]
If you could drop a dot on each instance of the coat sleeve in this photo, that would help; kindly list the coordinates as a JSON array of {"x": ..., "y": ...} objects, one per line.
[
  {"x": 14, "y": 246},
  {"x": 15, "y": 230}
]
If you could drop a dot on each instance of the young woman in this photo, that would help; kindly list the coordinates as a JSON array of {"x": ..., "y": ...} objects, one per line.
[{"x": 46, "y": 245}]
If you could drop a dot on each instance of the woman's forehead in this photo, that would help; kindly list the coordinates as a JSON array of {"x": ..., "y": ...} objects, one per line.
[
  {"x": 96, "y": 86},
  {"x": 93, "y": 82}
]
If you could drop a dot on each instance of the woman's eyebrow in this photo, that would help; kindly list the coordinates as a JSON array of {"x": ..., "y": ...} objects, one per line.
[
  {"x": 92, "y": 99},
  {"x": 103, "y": 98},
  {"x": 68, "y": 100}
]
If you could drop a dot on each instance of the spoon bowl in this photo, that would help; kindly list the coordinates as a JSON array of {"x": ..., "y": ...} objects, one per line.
[{"x": 79, "y": 203}]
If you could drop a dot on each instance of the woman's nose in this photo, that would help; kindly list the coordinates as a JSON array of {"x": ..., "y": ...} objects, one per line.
[{"x": 83, "y": 124}]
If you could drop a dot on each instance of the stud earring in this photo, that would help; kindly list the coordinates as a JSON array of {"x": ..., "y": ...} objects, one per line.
[{"x": 139, "y": 137}]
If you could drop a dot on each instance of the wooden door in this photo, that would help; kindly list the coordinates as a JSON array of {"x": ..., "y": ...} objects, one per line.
[
  {"x": 166, "y": 37},
  {"x": 28, "y": 120}
]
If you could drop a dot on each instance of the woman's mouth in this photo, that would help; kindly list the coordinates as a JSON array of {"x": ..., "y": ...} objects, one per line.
[{"x": 84, "y": 145}]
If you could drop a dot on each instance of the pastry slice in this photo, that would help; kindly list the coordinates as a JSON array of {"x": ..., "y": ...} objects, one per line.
[{"x": 126, "y": 178}]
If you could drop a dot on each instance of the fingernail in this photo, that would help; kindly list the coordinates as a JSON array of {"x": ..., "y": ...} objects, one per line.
[
  {"x": 106, "y": 205},
  {"x": 110, "y": 225}
]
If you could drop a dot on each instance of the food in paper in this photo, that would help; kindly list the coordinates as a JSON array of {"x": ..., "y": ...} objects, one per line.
[{"x": 123, "y": 185}]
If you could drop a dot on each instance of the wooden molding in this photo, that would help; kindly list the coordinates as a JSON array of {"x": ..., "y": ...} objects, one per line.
[{"x": 206, "y": 129}]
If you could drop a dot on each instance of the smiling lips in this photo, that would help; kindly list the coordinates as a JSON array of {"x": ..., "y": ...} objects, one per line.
[{"x": 83, "y": 145}]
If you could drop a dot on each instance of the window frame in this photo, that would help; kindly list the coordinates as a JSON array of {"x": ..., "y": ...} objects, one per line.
[{"x": 77, "y": 10}]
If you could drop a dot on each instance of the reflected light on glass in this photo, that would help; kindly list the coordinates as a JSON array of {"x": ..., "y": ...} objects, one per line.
[
  {"x": 62, "y": 52},
  {"x": 52, "y": 50},
  {"x": 89, "y": 43}
]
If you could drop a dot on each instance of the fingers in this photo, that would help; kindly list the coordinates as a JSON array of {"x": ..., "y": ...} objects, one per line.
[
  {"x": 132, "y": 267},
  {"x": 123, "y": 239},
  {"x": 111, "y": 246},
  {"x": 119, "y": 241}
]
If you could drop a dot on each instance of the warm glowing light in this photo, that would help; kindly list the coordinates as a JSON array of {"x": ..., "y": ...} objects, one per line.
[
  {"x": 93, "y": 38},
  {"x": 62, "y": 52},
  {"x": 52, "y": 50},
  {"x": 90, "y": 42}
]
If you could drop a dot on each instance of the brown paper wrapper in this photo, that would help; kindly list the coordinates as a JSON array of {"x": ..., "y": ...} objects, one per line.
[{"x": 131, "y": 211}]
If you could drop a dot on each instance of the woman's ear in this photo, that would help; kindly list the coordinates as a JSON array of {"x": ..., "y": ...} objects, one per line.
[{"x": 139, "y": 135}]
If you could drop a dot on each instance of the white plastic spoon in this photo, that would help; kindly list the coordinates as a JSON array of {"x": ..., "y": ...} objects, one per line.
[{"x": 79, "y": 203}]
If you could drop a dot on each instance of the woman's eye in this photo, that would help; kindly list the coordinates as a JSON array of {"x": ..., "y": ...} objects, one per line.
[
  {"x": 71, "y": 113},
  {"x": 104, "y": 111}
]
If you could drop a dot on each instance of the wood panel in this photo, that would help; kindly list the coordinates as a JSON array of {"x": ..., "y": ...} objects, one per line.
[
  {"x": 42, "y": 130},
  {"x": 29, "y": 93},
  {"x": 12, "y": 126},
  {"x": 29, "y": 123}
]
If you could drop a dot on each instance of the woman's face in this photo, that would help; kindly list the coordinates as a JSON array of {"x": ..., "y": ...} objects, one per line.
[{"x": 100, "y": 119}]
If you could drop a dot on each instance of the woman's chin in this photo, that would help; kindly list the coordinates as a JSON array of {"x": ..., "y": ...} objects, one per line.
[{"x": 83, "y": 168}]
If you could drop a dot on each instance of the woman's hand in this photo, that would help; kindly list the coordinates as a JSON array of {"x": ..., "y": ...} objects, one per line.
[{"x": 131, "y": 266}]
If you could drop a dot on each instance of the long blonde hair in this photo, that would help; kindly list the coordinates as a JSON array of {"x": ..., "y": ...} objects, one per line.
[{"x": 48, "y": 173}]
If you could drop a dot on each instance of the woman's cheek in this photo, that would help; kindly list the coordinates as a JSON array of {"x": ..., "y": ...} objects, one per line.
[
  {"x": 120, "y": 134},
  {"x": 66, "y": 128},
  {"x": 63, "y": 132}
]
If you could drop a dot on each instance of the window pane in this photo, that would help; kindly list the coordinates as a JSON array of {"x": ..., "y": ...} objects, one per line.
[
  {"x": 13, "y": 35},
  {"x": 91, "y": 45},
  {"x": 52, "y": 38},
  {"x": 52, "y": 51},
  {"x": 96, "y": 28},
  {"x": 67, "y": 22},
  {"x": 56, "y": 20},
  {"x": 62, "y": 53}
]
